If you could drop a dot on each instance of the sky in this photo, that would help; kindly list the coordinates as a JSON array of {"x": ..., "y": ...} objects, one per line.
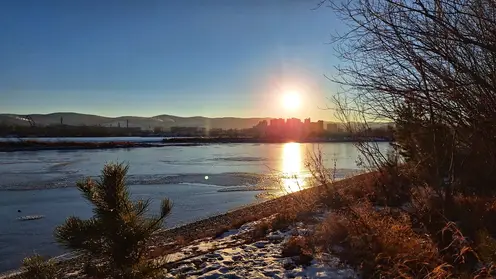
[{"x": 211, "y": 58}]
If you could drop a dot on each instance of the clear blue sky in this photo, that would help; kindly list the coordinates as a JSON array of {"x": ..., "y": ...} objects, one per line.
[{"x": 211, "y": 58}]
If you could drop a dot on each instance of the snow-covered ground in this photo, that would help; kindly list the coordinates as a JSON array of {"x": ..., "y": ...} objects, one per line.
[
  {"x": 231, "y": 256},
  {"x": 238, "y": 254}
]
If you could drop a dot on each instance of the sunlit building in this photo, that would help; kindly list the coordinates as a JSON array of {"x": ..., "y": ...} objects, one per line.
[
  {"x": 277, "y": 123},
  {"x": 293, "y": 123},
  {"x": 291, "y": 128}
]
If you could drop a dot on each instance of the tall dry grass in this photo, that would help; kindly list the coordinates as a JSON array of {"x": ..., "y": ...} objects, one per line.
[{"x": 389, "y": 227}]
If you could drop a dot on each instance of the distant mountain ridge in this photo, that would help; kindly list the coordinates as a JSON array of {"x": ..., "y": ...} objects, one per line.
[{"x": 164, "y": 121}]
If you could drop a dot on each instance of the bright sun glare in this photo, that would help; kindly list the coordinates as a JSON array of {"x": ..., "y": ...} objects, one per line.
[
  {"x": 291, "y": 100},
  {"x": 292, "y": 168}
]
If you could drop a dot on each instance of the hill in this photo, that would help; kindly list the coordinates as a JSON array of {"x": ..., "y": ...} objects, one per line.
[
  {"x": 145, "y": 123},
  {"x": 163, "y": 121}
]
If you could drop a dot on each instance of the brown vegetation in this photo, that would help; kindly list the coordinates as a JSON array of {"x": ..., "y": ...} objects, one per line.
[
  {"x": 298, "y": 248},
  {"x": 428, "y": 211},
  {"x": 35, "y": 267},
  {"x": 416, "y": 240}
]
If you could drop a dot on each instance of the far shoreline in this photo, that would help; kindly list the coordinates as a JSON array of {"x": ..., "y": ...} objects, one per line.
[
  {"x": 219, "y": 140},
  {"x": 18, "y": 144}
]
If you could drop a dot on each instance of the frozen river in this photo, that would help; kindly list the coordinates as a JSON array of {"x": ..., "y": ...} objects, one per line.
[{"x": 199, "y": 179}]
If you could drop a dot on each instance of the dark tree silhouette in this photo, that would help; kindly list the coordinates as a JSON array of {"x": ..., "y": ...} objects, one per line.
[{"x": 430, "y": 67}]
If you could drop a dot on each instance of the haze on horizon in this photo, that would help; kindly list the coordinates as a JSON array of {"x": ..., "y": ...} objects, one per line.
[{"x": 144, "y": 58}]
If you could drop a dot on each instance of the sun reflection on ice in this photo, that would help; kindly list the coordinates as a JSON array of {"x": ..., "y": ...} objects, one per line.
[{"x": 292, "y": 168}]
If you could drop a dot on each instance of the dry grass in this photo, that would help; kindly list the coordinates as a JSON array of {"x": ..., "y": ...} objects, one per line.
[
  {"x": 385, "y": 241},
  {"x": 379, "y": 243},
  {"x": 486, "y": 246},
  {"x": 299, "y": 249},
  {"x": 371, "y": 229},
  {"x": 260, "y": 231},
  {"x": 283, "y": 220},
  {"x": 474, "y": 213},
  {"x": 35, "y": 267}
]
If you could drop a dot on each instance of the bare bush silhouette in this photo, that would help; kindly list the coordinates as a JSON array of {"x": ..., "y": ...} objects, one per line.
[{"x": 429, "y": 66}]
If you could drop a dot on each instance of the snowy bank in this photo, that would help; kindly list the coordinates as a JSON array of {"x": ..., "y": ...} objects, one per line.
[{"x": 233, "y": 255}]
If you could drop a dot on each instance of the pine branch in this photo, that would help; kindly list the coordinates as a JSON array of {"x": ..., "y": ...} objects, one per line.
[{"x": 119, "y": 232}]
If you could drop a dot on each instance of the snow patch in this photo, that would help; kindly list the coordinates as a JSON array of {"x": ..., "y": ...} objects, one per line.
[{"x": 229, "y": 256}]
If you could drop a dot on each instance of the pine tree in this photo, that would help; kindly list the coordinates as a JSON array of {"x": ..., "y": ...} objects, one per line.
[{"x": 118, "y": 234}]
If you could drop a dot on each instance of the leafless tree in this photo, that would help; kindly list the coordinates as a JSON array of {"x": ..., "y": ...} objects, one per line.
[{"x": 429, "y": 66}]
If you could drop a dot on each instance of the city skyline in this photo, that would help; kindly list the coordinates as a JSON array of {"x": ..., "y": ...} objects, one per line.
[{"x": 166, "y": 57}]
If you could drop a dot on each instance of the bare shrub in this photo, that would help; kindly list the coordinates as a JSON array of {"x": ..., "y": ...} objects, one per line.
[
  {"x": 474, "y": 213},
  {"x": 260, "y": 230},
  {"x": 35, "y": 267},
  {"x": 392, "y": 185},
  {"x": 428, "y": 66},
  {"x": 283, "y": 220},
  {"x": 380, "y": 243},
  {"x": 299, "y": 249},
  {"x": 486, "y": 246}
]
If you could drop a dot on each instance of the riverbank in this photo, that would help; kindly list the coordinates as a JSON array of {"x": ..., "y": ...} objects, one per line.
[
  {"x": 220, "y": 140},
  {"x": 175, "y": 240},
  {"x": 41, "y": 144}
]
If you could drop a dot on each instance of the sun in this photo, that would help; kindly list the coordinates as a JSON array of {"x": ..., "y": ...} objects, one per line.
[{"x": 291, "y": 100}]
